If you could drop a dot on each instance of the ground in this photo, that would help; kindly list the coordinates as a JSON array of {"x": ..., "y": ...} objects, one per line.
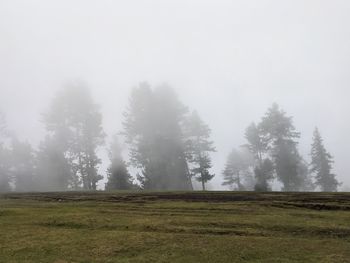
[{"x": 174, "y": 227}]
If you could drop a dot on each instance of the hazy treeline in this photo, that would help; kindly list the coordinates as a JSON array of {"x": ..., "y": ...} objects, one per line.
[
  {"x": 169, "y": 146},
  {"x": 271, "y": 152}
]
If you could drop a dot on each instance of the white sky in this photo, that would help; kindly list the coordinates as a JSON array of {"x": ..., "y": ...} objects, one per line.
[{"x": 228, "y": 59}]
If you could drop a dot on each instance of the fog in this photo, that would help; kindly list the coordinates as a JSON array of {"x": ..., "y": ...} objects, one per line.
[{"x": 229, "y": 60}]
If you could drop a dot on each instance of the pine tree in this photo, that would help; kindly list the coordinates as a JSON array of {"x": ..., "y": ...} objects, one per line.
[
  {"x": 279, "y": 133},
  {"x": 321, "y": 165},
  {"x": 74, "y": 121},
  {"x": 199, "y": 148},
  {"x": 118, "y": 174},
  {"x": 201, "y": 172},
  {"x": 153, "y": 131}
]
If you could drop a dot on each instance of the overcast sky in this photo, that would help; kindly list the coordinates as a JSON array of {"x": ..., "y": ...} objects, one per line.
[{"x": 230, "y": 60}]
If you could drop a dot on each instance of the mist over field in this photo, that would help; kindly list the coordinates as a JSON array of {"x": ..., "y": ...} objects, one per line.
[{"x": 228, "y": 60}]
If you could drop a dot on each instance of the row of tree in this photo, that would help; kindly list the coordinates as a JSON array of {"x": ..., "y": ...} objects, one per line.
[
  {"x": 67, "y": 157},
  {"x": 271, "y": 152},
  {"x": 168, "y": 146}
]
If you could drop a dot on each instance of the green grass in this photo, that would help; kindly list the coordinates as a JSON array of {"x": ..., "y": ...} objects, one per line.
[{"x": 174, "y": 227}]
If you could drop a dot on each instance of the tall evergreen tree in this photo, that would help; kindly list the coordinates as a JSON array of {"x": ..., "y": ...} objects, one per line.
[
  {"x": 75, "y": 123},
  {"x": 119, "y": 177},
  {"x": 153, "y": 131},
  {"x": 199, "y": 148},
  {"x": 321, "y": 165},
  {"x": 279, "y": 131}
]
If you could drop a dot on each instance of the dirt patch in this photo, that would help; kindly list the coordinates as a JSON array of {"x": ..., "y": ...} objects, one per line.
[
  {"x": 314, "y": 206},
  {"x": 315, "y": 201}
]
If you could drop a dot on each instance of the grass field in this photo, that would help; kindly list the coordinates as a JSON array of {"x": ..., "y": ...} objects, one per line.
[{"x": 175, "y": 227}]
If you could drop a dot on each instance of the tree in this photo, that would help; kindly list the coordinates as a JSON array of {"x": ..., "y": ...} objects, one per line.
[
  {"x": 238, "y": 170},
  {"x": 119, "y": 177},
  {"x": 153, "y": 130},
  {"x": 53, "y": 169},
  {"x": 307, "y": 185},
  {"x": 201, "y": 172},
  {"x": 75, "y": 123},
  {"x": 264, "y": 174},
  {"x": 23, "y": 166},
  {"x": 199, "y": 147},
  {"x": 321, "y": 165},
  {"x": 257, "y": 144},
  {"x": 5, "y": 168},
  {"x": 263, "y": 167},
  {"x": 287, "y": 160},
  {"x": 5, "y": 154},
  {"x": 276, "y": 126},
  {"x": 279, "y": 133}
]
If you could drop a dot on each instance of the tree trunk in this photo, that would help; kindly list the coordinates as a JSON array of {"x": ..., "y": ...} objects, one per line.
[
  {"x": 203, "y": 185},
  {"x": 238, "y": 182},
  {"x": 189, "y": 176}
]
